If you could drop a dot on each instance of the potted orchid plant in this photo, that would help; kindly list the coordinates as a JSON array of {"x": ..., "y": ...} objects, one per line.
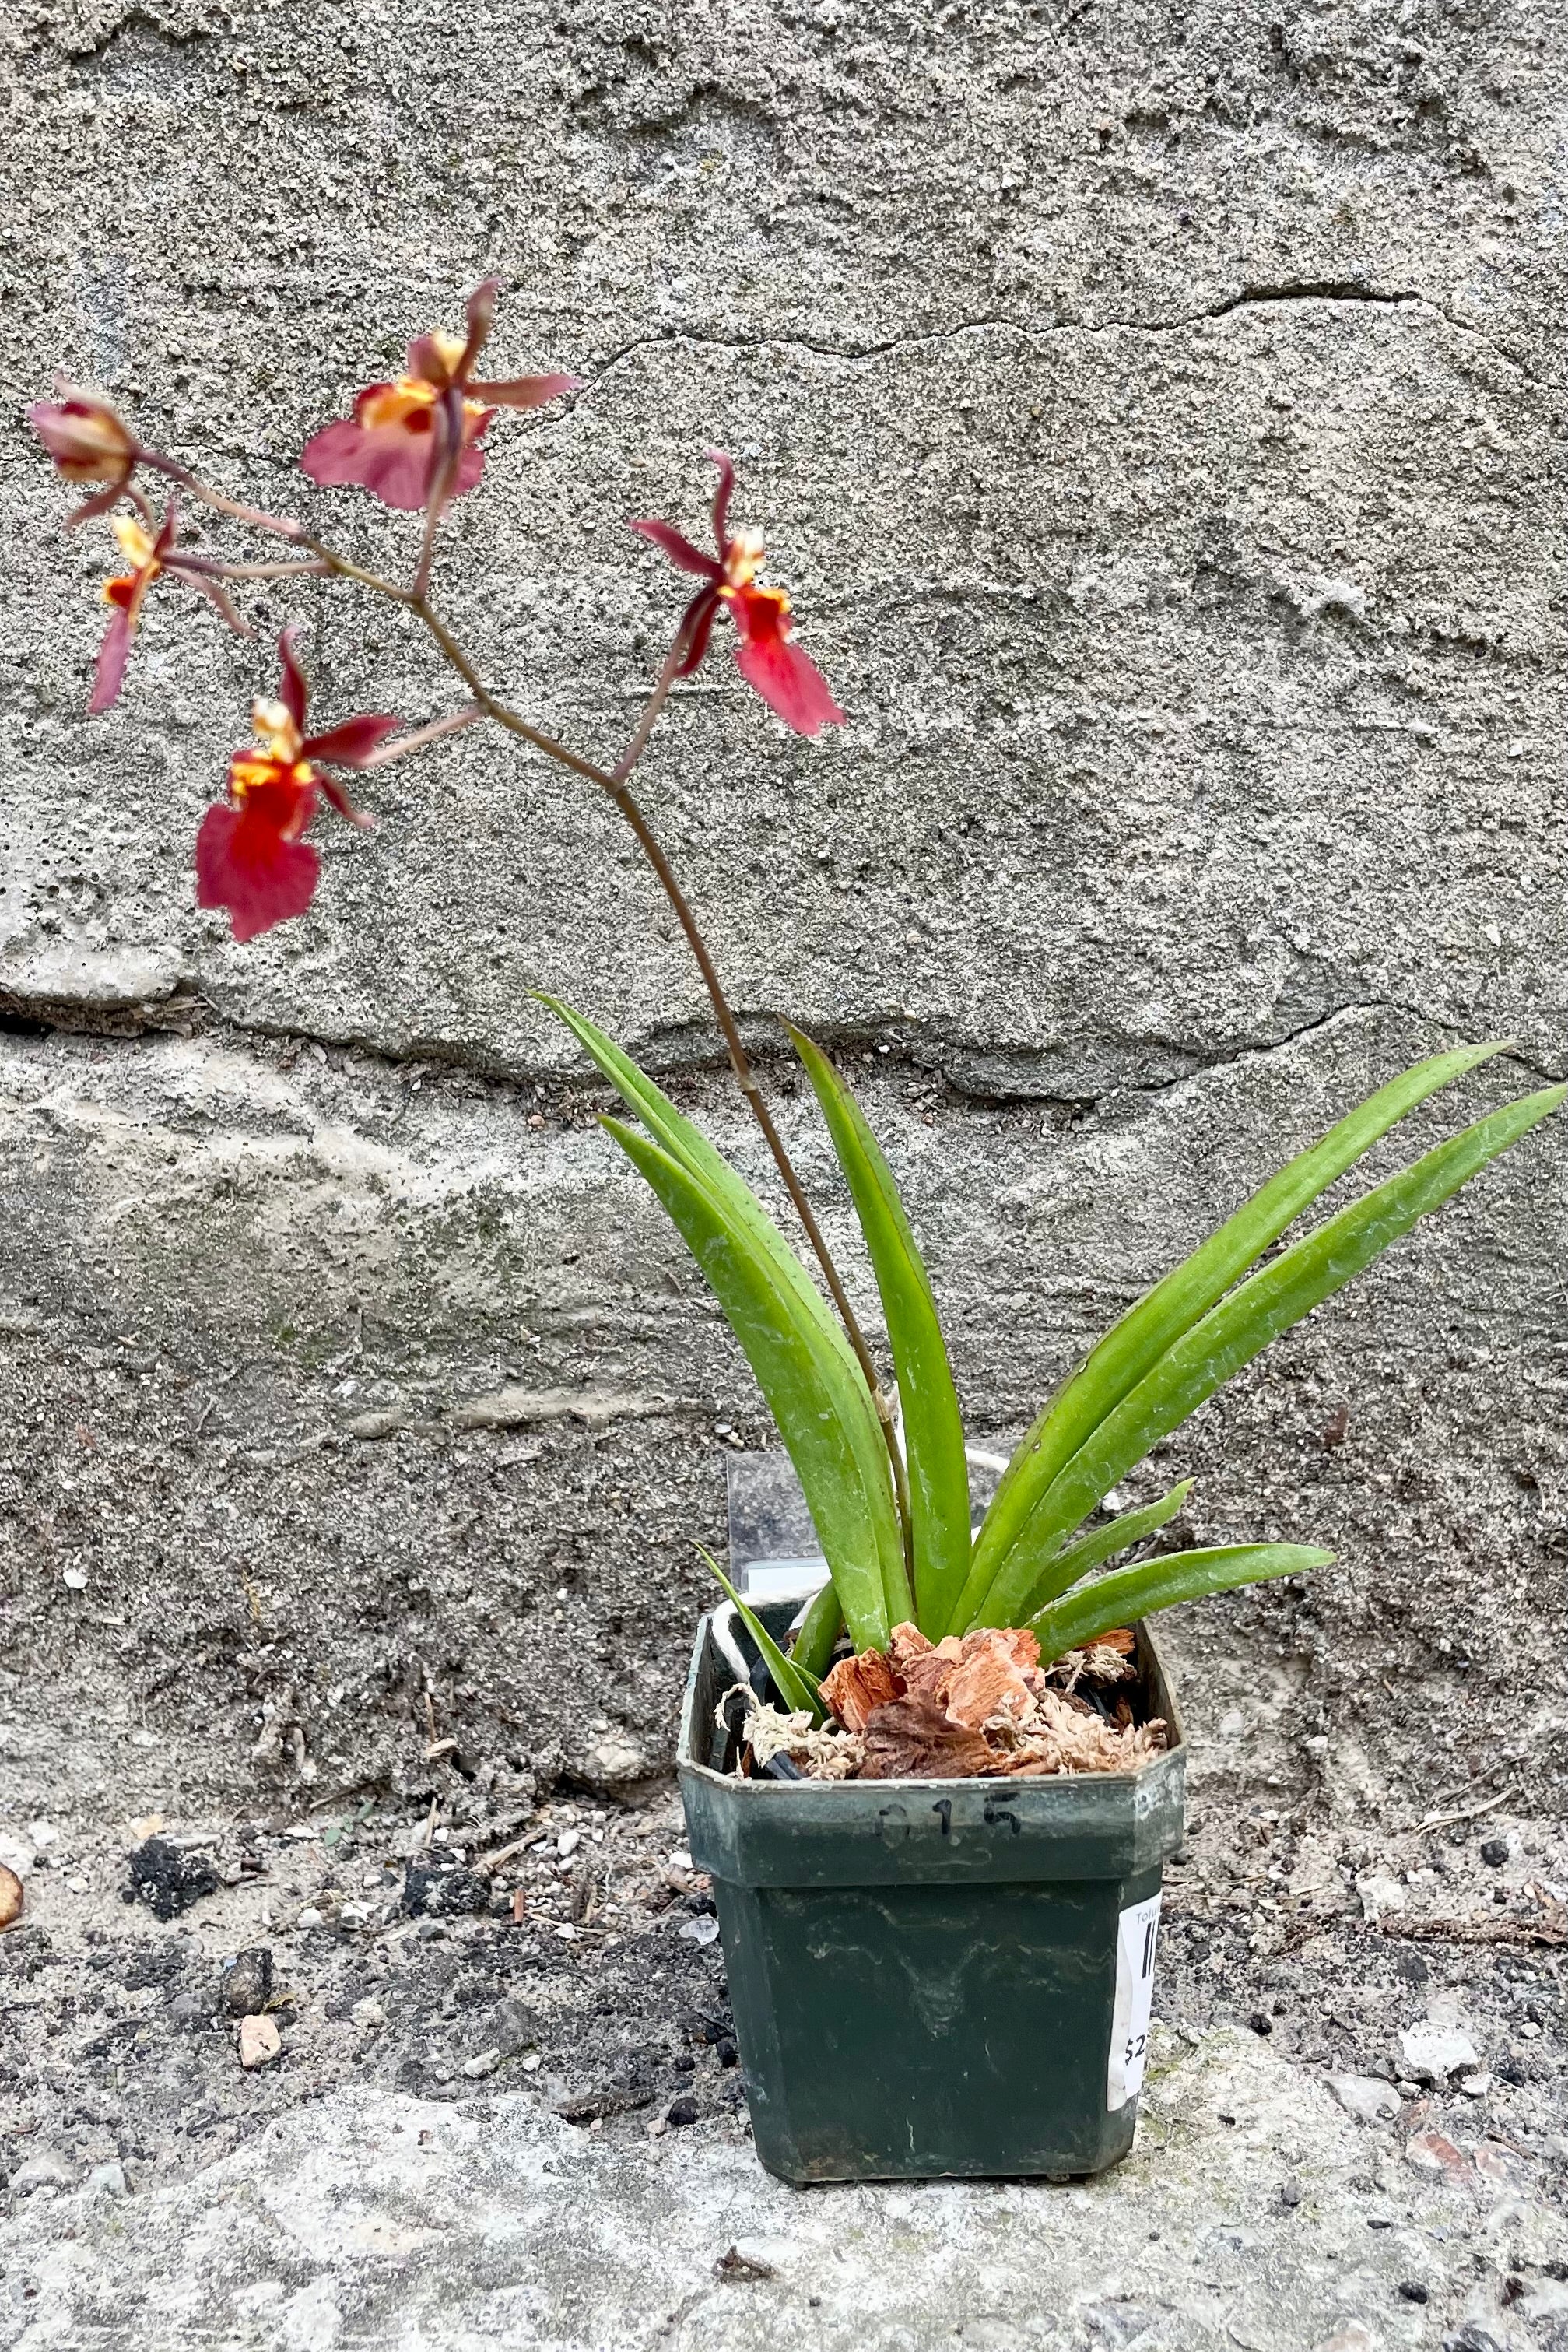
[{"x": 936, "y": 1797}]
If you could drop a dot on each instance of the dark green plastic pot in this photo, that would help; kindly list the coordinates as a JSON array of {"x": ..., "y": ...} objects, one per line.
[{"x": 933, "y": 1977}]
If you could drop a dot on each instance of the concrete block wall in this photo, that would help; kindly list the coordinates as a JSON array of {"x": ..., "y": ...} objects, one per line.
[{"x": 1156, "y": 417}]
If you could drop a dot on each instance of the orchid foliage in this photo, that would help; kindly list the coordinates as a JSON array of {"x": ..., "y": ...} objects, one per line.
[
  {"x": 1034, "y": 1558},
  {"x": 888, "y": 1491}
]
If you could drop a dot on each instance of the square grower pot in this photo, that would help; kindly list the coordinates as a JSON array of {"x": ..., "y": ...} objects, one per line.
[{"x": 933, "y": 1977}]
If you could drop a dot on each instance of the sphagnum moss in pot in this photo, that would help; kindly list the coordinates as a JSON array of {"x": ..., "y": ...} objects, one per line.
[{"x": 936, "y": 1810}]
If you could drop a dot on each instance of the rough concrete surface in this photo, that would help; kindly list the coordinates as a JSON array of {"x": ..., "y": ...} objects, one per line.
[
  {"x": 1157, "y": 416},
  {"x": 531, "y": 2131},
  {"x": 393, "y": 2222}
]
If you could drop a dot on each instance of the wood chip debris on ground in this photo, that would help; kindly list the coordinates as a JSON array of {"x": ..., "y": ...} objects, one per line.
[{"x": 259, "y": 2042}]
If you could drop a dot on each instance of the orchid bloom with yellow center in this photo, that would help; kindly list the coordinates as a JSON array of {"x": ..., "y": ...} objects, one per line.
[
  {"x": 406, "y": 435},
  {"x": 125, "y": 595},
  {"x": 787, "y": 678},
  {"x": 146, "y": 557},
  {"x": 251, "y": 854}
]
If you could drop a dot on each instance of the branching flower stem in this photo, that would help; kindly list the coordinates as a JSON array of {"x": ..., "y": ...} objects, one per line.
[
  {"x": 418, "y": 738},
  {"x": 257, "y": 517},
  {"x": 215, "y": 568},
  {"x": 615, "y": 782}
]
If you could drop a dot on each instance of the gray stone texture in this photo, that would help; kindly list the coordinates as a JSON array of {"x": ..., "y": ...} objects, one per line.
[
  {"x": 1251, "y": 2214},
  {"x": 1199, "y": 630},
  {"x": 1156, "y": 416}
]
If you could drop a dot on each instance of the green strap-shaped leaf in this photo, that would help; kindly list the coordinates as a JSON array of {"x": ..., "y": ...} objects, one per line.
[
  {"x": 1129, "y": 1593},
  {"x": 795, "y": 1686},
  {"x": 1137, "y": 1341},
  {"x": 813, "y": 1644},
  {"x": 1238, "y": 1328},
  {"x": 812, "y": 1385},
  {"x": 691, "y": 1147},
  {"x": 933, "y": 1428},
  {"x": 1064, "y": 1567},
  {"x": 691, "y": 1150}
]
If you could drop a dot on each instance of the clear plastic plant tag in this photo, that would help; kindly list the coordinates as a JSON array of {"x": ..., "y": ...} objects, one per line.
[
  {"x": 773, "y": 1549},
  {"x": 1135, "y": 1933}
]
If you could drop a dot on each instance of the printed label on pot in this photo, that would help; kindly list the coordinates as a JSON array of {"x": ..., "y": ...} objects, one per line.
[{"x": 1136, "y": 1930}]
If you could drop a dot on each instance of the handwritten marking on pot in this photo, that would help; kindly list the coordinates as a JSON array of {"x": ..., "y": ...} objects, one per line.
[{"x": 1137, "y": 1931}]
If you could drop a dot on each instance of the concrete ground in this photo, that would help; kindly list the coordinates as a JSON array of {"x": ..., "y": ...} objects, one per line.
[
  {"x": 1253, "y": 2212},
  {"x": 505, "y": 2109}
]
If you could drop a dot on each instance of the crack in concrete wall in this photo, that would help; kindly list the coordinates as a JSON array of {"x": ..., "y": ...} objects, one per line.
[
  {"x": 192, "y": 1015},
  {"x": 1034, "y": 324}
]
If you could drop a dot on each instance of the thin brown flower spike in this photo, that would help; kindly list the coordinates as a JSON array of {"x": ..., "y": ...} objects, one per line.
[
  {"x": 979, "y": 1707},
  {"x": 416, "y": 442}
]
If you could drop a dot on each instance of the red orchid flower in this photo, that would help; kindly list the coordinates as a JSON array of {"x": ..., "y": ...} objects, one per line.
[
  {"x": 125, "y": 597},
  {"x": 146, "y": 558},
  {"x": 251, "y": 855},
  {"x": 88, "y": 443},
  {"x": 788, "y": 679},
  {"x": 407, "y": 433}
]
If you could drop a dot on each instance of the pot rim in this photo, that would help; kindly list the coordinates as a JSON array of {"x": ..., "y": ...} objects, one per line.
[{"x": 1151, "y": 1658}]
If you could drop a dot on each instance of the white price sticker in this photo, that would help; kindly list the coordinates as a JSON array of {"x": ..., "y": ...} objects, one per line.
[{"x": 1137, "y": 1931}]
